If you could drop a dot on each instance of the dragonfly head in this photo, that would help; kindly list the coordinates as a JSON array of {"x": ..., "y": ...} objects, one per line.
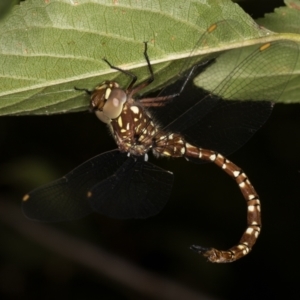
[{"x": 107, "y": 101}]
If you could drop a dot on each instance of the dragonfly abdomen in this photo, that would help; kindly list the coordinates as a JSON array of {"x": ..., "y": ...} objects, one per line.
[
  {"x": 252, "y": 231},
  {"x": 174, "y": 145}
]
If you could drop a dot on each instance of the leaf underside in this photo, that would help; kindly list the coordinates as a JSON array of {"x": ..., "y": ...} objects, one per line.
[{"x": 48, "y": 48}]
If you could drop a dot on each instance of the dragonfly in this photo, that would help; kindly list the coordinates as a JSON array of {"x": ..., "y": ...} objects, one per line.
[{"x": 123, "y": 184}]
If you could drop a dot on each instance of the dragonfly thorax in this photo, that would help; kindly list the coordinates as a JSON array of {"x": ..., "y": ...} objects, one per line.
[
  {"x": 134, "y": 130},
  {"x": 107, "y": 101}
]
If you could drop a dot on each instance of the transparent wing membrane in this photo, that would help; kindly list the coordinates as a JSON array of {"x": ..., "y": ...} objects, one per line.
[
  {"x": 137, "y": 190},
  {"x": 109, "y": 183},
  {"x": 249, "y": 73},
  {"x": 66, "y": 198}
]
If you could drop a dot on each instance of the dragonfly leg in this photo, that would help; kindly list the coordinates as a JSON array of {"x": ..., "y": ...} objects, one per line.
[
  {"x": 85, "y": 90},
  {"x": 133, "y": 90},
  {"x": 133, "y": 76},
  {"x": 251, "y": 234}
]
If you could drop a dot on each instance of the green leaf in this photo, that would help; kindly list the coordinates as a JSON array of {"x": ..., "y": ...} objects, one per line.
[
  {"x": 284, "y": 19},
  {"x": 49, "y": 47},
  {"x": 267, "y": 72}
]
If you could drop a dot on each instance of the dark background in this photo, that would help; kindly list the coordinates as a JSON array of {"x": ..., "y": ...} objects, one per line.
[{"x": 205, "y": 208}]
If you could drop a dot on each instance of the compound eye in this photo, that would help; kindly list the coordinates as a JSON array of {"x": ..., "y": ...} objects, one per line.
[{"x": 114, "y": 105}]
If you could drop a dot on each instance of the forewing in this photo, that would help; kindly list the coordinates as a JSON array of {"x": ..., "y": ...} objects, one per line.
[
  {"x": 138, "y": 189},
  {"x": 66, "y": 198},
  {"x": 210, "y": 122}
]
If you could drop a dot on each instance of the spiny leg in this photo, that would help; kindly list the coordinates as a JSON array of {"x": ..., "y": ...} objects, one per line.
[
  {"x": 251, "y": 234},
  {"x": 151, "y": 78}
]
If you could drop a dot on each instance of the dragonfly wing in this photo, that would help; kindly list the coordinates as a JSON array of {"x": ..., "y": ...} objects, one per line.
[
  {"x": 255, "y": 77},
  {"x": 224, "y": 126},
  {"x": 66, "y": 198},
  {"x": 229, "y": 125},
  {"x": 137, "y": 190}
]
